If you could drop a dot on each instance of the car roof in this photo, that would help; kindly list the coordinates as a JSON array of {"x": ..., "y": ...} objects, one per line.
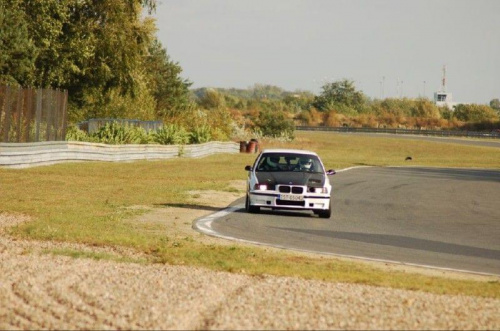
[{"x": 294, "y": 151}]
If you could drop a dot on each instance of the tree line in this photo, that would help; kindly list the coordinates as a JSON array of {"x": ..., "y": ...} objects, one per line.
[
  {"x": 107, "y": 55},
  {"x": 340, "y": 103}
]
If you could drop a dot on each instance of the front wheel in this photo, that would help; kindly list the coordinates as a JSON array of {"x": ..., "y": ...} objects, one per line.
[
  {"x": 325, "y": 213},
  {"x": 249, "y": 208}
]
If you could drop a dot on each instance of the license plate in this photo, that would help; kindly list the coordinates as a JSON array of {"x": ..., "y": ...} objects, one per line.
[{"x": 291, "y": 197}]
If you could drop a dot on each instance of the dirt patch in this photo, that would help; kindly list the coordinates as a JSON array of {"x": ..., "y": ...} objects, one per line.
[{"x": 178, "y": 218}]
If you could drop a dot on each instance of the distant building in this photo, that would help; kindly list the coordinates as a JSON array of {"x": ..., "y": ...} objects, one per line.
[{"x": 443, "y": 98}]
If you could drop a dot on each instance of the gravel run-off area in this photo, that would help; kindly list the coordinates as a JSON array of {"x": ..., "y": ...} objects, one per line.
[{"x": 44, "y": 291}]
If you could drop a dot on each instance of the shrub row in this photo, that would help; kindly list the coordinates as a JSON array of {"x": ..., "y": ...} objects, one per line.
[{"x": 114, "y": 133}]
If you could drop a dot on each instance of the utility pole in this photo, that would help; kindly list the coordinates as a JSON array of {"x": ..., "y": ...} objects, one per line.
[
  {"x": 444, "y": 78},
  {"x": 383, "y": 87}
]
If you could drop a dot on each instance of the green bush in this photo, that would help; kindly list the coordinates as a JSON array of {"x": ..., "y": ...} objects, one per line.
[
  {"x": 474, "y": 113},
  {"x": 201, "y": 134},
  {"x": 73, "y": 133},
  {"x": 171, "y": 134},
  {"x": 275, "y": 124},
  {"x": 112, "y": 133},
  {"x": 139, "y": 135}
]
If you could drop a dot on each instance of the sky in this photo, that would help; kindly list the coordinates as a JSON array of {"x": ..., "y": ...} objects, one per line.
[{"x": 389, "y": 48}]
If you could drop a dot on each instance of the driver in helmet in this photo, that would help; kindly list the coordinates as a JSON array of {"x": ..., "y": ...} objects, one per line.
[{"x": 305, "y": 164}]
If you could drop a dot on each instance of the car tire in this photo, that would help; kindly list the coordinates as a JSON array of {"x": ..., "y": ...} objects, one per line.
[
  {"x": 326, "y": 213},
  {"x": 249, "y": 208}
]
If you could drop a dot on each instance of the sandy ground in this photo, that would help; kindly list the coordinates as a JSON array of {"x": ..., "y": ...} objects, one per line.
[{"x": 42, "y": 291}]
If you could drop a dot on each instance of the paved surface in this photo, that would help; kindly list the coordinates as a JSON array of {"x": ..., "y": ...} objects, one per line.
[
  {"x": 40, "y": 291},
  {"x": 448, "y": 218},
  {"x": 462, "y": 141}
]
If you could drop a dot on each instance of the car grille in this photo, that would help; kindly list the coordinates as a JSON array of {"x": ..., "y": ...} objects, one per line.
[
  {"x": 292, "y": 189},
  {"x": 290, "y": 203}
]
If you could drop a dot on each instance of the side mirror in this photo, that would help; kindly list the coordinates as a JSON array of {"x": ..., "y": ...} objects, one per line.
[
  {"x": 248, "y": 168},
  {"x": 331, "y": 172}
]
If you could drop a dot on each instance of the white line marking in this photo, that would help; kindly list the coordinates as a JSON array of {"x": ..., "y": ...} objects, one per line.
[{"x": 204, "y": 225}]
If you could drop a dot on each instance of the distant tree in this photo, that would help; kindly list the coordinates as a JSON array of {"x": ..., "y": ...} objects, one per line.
[
  {"x": 495, "y": 104},
  {"x": 98, "y": 50},
  {"x": 275, "y": 124},
  {"x": 267, "y": 92},
  {"x": 474, "y": 113},
  {"x": 298, "y": 101},
  {"x": 342, "y": 93},
  {"x": 168, "y": 88},
  {"x": 212, "y": 99},
  {"x": 17, "y": 51},
  {"x": 398, "y": 107},
  {"x": 425, "y": 108}
]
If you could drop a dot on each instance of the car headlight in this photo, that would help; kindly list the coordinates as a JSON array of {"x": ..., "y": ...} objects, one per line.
[
  {"x": 260, "y": 187},
  {"x": 318, "y": 190}
]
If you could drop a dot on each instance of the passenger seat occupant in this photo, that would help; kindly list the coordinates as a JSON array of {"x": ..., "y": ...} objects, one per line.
[
  {"x": 273, "y": 162},
  {"x": 270, "y": 163}
]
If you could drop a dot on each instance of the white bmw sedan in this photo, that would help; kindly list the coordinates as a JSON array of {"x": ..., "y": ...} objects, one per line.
[{"x": 289, "y": 179}]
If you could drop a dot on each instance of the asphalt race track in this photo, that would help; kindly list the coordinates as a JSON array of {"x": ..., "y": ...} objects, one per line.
[
  {"x": 447, "y": 140},
  {"x": 445, "y": 218}
]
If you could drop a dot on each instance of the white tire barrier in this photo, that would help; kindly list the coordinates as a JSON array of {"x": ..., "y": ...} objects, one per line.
[{"x": 24, "y": 155}]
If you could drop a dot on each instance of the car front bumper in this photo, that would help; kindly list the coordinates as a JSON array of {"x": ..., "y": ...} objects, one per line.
[{"x": 272, "y": 199}]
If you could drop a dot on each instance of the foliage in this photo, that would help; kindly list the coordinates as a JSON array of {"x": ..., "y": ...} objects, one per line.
[
  {"x": 171, "y": 134},
  {"x": 221, "y": 124},
  {"x": 495, "y": 104},
  {"x": 474, "y": 113},
  {"x": 114, "y": 133},
  {"x": 103, "y": 52},
  {"x": 201, "y": 134},
  {"x": 17, "y": 51},
  {"x": 168, "y": 134},
  {"x": 111, "y": 133},
  {"x": 169, "y": 90},
  {"x": 211, "y": 99},
  {"x": 73, "y": 133},
  {"x": 275, "y": 124},
  {"x": 425, "y": 108},
  {"x": 342, "y": 94}
]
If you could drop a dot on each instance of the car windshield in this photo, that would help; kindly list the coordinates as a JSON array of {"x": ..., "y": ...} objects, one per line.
[{"x": 289, "y": 162}]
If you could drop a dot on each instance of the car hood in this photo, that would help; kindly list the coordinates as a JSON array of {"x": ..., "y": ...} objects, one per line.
[{"x": 291, "y": 178}]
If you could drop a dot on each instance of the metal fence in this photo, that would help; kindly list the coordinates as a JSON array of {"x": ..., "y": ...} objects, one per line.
[
  {"x": 441, "y": 133},
  {"x": 32, "y": 115},
  {"x": 93, "y": 125}
]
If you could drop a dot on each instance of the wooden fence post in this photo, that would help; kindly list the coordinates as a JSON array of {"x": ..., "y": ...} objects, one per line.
[
  {"x": 2, "y": 100},
  {"x": 6, "y": 122},
  {"x": 48, "y": 113},
  {"x": 19, "y": 113},
  {"x": 28, "y": 114},
  {"x": 38, "y": 114},
  {"x": 64, "y": 107}
]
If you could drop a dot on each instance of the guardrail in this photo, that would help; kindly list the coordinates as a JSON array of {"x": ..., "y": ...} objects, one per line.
[
  {"x": 24, "y": 155},
  {"x": 440, "y": 133}
]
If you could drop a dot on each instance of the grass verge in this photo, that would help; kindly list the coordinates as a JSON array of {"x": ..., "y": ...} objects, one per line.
[{"x": 90, "y": 203}]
